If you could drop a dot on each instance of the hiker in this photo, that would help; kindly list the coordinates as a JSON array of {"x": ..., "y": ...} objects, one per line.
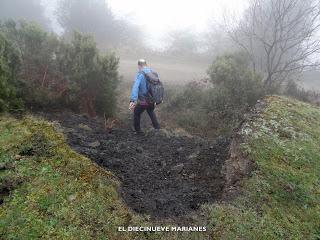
[{"x": 140, "y": 99}]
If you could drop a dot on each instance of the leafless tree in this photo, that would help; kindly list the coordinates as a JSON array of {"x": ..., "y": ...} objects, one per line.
[
  {"x": 217, "y": 42},
  {"x": 281, "y": 37}
]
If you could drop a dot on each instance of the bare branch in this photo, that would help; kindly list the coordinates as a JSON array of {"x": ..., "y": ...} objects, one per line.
[{"x": 280, "y": 36}]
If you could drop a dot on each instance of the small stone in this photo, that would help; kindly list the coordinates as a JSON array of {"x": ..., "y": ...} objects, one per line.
[
  {"x": 3, "y": 166},
  {"x": 69, "y": 130},
  {"x": 288, "y": 187},
  {"x": 180, "y": 149},
  {"x": 112, "y": 163},
  {"x": 163, "y": 163},
  {"x": 192, "y": 176},
  {"x": 193, "y": 155},
  {"x": 139, "y": 149},
  {"x": 85, "y": 127},
  {"x": 72, "y": 197},
  {"x": 178, "y": 168},
  {"x": 89, "y": 151},
  {"x": 94, "y": 144},
  {"x": 17, "y": 157}
]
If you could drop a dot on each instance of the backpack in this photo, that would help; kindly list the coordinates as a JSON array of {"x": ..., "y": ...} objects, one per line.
[{"x": 155, "y": 90}]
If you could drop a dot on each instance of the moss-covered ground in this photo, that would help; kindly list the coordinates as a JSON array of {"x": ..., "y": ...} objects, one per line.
[{"x": 281, "y": 200}]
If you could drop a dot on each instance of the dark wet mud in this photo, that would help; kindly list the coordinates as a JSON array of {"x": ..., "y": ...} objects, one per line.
[{"x": 161, "y": 174}]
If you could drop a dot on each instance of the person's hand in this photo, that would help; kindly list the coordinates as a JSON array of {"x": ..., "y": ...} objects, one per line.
[{"x": 132, "y": 105}]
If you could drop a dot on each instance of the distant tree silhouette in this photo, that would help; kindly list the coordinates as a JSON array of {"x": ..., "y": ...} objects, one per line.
[
  {"x": 96, "y": 18},
  {"x": 182, "y": 43},
  {"x": 21, "y": 9}
]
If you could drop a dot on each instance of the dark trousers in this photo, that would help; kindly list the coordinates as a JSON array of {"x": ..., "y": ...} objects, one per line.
[{"x": 138, "y": 110}]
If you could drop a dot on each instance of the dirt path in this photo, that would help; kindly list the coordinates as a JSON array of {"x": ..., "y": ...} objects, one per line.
[{"x": 162, "y": 176}]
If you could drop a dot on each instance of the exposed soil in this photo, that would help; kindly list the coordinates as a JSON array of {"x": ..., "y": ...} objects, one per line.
[
  {"x": 162, "y": 175},
  {"x": 7, "y": 185}
]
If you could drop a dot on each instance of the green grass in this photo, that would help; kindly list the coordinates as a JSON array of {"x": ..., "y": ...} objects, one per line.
[
  {"x": 282, "y": 198},
  {"x": 60, "y": 194}
]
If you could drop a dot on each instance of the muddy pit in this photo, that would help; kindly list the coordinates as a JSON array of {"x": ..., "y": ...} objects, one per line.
[{"x": 161, "y": 175}]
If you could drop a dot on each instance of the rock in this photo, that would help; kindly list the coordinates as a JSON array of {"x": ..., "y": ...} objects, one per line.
[
  {"x": 17, "y": 157},
  {"x": 3, "y": 166},
  {"x": 68, "y": 130},
  {"x": 85, "y": 127},
  {"x": 112, "y": 163},
  {"x": 180, "y": 149},
  {"x": 178, "y": 168},
  {"x": 89, "y": 151},
  {"x": 288, "y": 187},
  {"x": 192, "y": 176},
  {"x": 94, "y": 144},
  {"x": 139, "y": 149},
  {"x": 107, "y": 142},
  {"x": 193, "y": 155},
  {"x": 72, "y": 197},
  {"x": 163, "y": 163}
]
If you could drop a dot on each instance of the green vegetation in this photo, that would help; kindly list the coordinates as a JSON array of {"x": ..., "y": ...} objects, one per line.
[
  {"x": 281, "y": 200},
  {"x": 9, "y": 60},
  {"x": 48, "y": 72},
  {"x": 217, "y": 106},
  {"x": 56, "y": 193}
]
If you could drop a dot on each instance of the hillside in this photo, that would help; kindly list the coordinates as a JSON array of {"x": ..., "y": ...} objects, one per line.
[
  {"x": 271, "y": 178},
  {"x": 281, "y": 198}
]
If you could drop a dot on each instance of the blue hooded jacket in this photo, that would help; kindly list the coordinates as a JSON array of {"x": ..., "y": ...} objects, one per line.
[{"x": 139, "y": 88}]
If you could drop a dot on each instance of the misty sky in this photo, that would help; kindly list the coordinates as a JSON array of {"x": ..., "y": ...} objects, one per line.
[
  {"x": 160, "y": 16},
  {"x": 157, "y": 17}
]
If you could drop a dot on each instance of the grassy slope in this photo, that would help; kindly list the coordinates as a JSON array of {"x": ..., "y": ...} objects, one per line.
[
  {"x": 64, "y": 196},
  {"x": 282, "y": 198},
  {"x": 61, "y": 195}
]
